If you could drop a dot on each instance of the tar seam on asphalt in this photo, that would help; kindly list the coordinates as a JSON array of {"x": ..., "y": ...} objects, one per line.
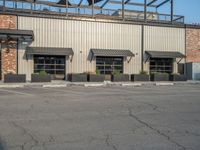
[{"x": 154, "y": 129}]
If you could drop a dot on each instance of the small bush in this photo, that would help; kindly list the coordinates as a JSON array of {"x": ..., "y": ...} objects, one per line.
[
  {"x": 143, "y": 72},
  {"x": 98, "y": 72},
  {"x": 116, "y": 72},
  {"x": 42, "y": 73}
]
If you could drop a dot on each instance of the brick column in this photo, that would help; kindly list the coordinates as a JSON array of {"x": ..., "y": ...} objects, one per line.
[
  {"x": 8, "y": 51},
  {"x": 8, "y": 57},
  {"x": 193, "y": 45}
]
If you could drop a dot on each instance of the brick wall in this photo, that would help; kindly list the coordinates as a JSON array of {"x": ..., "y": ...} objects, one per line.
[
  {"x": 8, "y": 22},
  {"x": 193, "y": 45},
  {"x": 8, "y": 51}
]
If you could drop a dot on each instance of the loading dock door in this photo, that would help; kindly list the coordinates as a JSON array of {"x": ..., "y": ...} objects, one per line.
[{"x": 54, "y": 65}]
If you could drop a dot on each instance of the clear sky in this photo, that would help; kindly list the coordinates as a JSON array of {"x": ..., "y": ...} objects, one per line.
[{"x": 188, "y": 8}]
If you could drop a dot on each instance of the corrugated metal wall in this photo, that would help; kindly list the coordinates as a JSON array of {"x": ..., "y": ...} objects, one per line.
[
  {"x": 81, "y": 36},
  {"x": 164, "y": 39}
]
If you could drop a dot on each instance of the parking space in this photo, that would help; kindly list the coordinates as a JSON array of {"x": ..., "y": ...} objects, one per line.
[{"x": 100, "y": 118}]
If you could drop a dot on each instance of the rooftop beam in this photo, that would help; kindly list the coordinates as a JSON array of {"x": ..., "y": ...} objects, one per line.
[
  {"x": 162, "y": 3},
  {"x": 145, "y": 10},
  {"x": 130, "y": 3},
  {"x": 104, "y": 3},
  {"x": 153, "y": 1},
  {"x": 139, "y": 4},
  {"x": 80, "y": 2},
  {"x": 172, "y": 10},
  {"x": 127, "y": 1}
]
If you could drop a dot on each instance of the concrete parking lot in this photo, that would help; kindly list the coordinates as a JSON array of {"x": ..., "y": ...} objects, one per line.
[{"x": 100, "y": 118}]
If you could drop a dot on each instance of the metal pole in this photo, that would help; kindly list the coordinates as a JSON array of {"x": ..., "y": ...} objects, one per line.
[
  {"x": 92, "y": 8},
  {"x": 123, "y": 9},
  {"x": 66, "y": 7},
  {"x": 145, "y": 10},
  {"x": 4, "y": 5},
  {"x": 172, "y": 10}
]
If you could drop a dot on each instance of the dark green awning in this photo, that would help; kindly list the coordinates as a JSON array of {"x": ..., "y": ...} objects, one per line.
[
  {"x": 49, "y": 51},
  {"x": 112, "y": 52},
  {"x": 164, "y": 54},
  {"x": 14, "y": 34}
]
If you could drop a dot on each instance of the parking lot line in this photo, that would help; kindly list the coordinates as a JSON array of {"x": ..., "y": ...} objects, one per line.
[{"x": 15, "y": 92}]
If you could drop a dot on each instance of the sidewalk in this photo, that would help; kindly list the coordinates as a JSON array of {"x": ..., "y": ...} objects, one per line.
[{"x": 57, "y": 83}]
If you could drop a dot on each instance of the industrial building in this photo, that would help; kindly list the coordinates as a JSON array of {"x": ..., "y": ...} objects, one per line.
[{"x": 63, "y": 37}]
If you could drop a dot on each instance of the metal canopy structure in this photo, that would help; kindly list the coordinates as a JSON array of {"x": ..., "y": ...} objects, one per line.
[
  {"x": 49, "y": 51},
  {"x": 164, "y": 54},
  {"x": 112, "y": 52},
  {"x": 13, "y": 34},
  {"x": 111, "y": 9}
]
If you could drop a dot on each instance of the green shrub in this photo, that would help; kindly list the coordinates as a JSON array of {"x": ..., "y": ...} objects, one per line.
[
  {"x": 143, "y": 72},
  {"x": 116, "y": 72},
  {"x": 42, "y": 73},
  {"x": 98, "y": 72}
]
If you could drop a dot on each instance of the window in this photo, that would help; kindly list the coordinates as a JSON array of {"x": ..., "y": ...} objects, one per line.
[
  {"x": 54, "y": 65},
  {"x": 163, "y": 65},
  {"x": 106, "y": 65}
]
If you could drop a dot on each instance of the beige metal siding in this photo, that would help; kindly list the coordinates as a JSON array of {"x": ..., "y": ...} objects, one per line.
[
  {"x": 81, "y": 36},
  {"x": 164, "y": 39}
]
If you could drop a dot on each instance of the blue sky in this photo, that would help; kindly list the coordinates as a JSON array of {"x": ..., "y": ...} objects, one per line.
[{"x": 188, "y": 8}]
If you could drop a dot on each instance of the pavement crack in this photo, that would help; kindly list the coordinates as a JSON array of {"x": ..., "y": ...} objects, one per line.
[
  {"x": 25, "y": 132},
  {"x": 155, "y": 130},
  {"x": 154, "y": 107},
  {"x": 108, "y": 142}
]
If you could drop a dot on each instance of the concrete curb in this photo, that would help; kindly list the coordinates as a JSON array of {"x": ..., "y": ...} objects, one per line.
[
  {"x": 94, "y": 85},
  {"x": 164, "y": 84},
  {"x": 54, "y": 85},
  {"x": 98, "y": 84},
  {"x": 11, "y": 86},
  {"x": 132, "y": 84}
]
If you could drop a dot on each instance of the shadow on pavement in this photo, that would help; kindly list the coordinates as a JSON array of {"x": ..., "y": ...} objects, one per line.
[{"x": 1, "y": 145}]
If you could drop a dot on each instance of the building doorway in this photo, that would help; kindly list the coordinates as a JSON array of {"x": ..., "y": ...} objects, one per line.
[
  {"x": 162, "y": 65},
  {"x": 107, "y": 65},
  {"x": 54, "y": 65}
]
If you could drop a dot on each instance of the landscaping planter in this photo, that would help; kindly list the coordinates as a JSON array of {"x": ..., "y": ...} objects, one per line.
[
  {"x": 159, "y": 77},
  {"x": 77, "y": 77},
  {"x": 95, "y": 78},
  {"x": 15, "y": 78},
  {"x": 177, "y": 78},
  {"x": 139, "y": 77},
  {"x": 120, "y": 78},
  {"x": 40, "y": 78}
]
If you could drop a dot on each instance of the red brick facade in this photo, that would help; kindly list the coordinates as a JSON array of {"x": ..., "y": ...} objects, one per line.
[
  {"x": 8, "y": 51},
  {"x": 193, "y": 45}
]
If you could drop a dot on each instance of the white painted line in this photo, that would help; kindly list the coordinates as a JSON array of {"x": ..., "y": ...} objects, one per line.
[
  {"x": 131, "y": 84},
  {"x": 164, "y": 84},
  {"x": 11, "y": 86},
  {"x": 94, "y": 85},
  {"x": 15, "y": 92},
  {"x": 54, "y": 85}
]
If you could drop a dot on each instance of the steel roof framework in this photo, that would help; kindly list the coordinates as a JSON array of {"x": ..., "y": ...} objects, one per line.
[{"x": 95, "y": 6}]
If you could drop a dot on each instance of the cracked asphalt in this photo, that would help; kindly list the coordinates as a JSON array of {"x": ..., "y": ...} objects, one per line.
[{"x": 100, "y": 118}]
